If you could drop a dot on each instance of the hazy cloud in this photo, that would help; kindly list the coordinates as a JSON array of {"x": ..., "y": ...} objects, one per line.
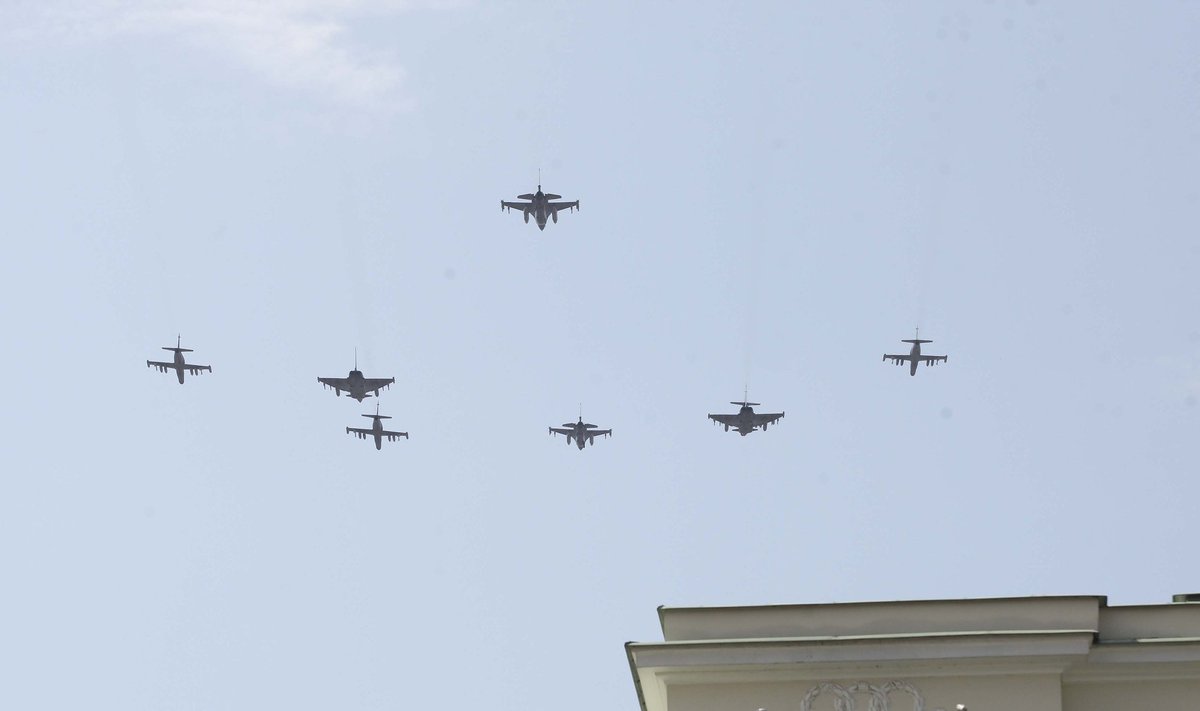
[{"x": 299, "y": 44}]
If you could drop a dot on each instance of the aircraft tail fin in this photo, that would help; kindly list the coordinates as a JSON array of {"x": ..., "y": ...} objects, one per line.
[
  {"x": 915, "y": 339},
  {"x": 745, "y": 397},
  {"x": 177, "y": 349}
]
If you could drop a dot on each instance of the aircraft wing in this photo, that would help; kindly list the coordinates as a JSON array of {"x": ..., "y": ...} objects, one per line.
[
  {"x": 562, "y": 431},
  {"x": 599, "y": 433},
  {"x": 556, "y": 206},
  {"x": 191, "y": 368},
  {"x": 897, "y": 359},
  {"x": 377, "y": 384},
  {"x": 522, "y": 206},
  {"x": 335, "y": 383},
  {"x": 391, "y": 436},
  {"x": 934, "y": 359},
  {"x": 766, "y": 418},
  {"x": 727, "y": 420}
]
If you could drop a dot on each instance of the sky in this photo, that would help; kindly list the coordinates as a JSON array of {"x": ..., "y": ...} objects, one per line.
[{"x": 772, "y": 196}]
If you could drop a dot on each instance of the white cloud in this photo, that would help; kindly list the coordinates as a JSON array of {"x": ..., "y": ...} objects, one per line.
[{"x": 297, "y": 44}]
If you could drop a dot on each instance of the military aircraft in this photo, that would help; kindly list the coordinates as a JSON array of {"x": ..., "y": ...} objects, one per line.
[
  {"x": 177, "y": 364},
  {"x": 581, "y": 432},
  {"x": 541, "y": 206},
  {"x": 377, "y": 430},
  {"x": 746, "y": 421},
  {"x": 355, "y": 384},
  {"x": 914, "y": 356}
]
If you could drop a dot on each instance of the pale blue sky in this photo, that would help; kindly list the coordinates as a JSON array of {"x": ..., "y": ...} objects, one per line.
[{"x": 773, "y": 194}]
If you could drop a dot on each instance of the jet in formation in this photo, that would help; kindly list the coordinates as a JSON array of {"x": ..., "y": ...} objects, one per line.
[
  {"x": 377, "y": 430},
  {"x": 581, "y": 432},
  {"x": 746, "y": 420},
  {"x": 355, "y": 385},
  {"x": 541, "y": 205},
  {"x": 177, "y": 364},
  {"x": 914, "y": 356}
]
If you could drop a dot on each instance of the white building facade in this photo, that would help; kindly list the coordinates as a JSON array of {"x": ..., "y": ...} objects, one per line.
[{"x": 1012, "y": 654}]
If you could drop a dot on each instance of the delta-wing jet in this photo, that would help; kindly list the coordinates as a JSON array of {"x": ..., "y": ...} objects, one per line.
[
  {"x": 377, "y": 430},
  {"x": 355, "y": 385},
  {"x": 177, "y": 363},
  {"x": 914, "y": 356},
  {"x": 541, "y": 205},
  {"x": 746, "y": 420},
  {"x": 581, "y": 433}
]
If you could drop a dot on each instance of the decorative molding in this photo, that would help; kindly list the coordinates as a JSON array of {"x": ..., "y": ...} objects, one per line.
[{"x": 843, "y": 696}]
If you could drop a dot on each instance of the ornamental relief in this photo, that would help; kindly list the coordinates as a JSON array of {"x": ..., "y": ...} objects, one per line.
[{"x": 844, "y": 697}]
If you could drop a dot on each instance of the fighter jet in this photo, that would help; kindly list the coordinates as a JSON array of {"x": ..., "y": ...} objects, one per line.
[
  {"x": 177, "y": 364},
  {"x": 914, "y": 356},
  {"x": 377, "y": 430},
  {"x": 581, "y": 432},
  {"x": 540, "y": 206},
  {"x": 355, "y": 384},
  {"x": 746, "y": 421}
]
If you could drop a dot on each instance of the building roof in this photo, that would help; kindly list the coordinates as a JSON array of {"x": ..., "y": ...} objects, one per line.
[{"x": 1068, "y": 635}]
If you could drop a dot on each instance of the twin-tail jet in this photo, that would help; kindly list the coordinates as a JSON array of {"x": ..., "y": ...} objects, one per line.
[
  {"x": 177, "y": 364},
  {"x": 581, "y": 432},
  {"x": 541, "y": 205},
  {"x": 377, "y": 430},
  {"x": 914, "y": 356},
  {"x": 355, "y": 385},
  {"x": 746, "y": 420}
]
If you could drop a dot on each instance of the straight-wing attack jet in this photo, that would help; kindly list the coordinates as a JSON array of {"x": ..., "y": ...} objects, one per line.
[
  {"x": 914, "y": 356},
  {"x": 377, "y": 430},
  {"x": 581, "y": 432},
  {"x": 746, "y": 420},
  {"x": 541, "y": 205},
  {"x": 355, "y": 384},
  {"x": 177, "y": 364}
]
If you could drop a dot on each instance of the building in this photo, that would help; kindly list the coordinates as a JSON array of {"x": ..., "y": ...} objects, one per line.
[{"x": 1026, "y": 654}]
